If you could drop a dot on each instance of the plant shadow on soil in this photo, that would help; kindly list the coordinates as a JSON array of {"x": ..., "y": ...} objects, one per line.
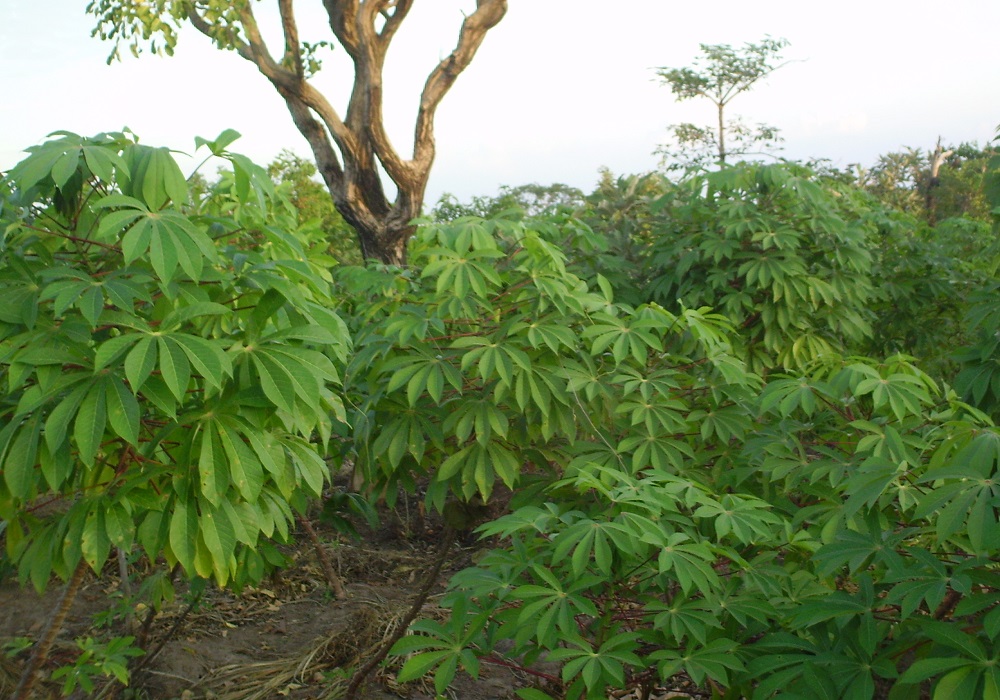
[{"x": 288, "y": 638}]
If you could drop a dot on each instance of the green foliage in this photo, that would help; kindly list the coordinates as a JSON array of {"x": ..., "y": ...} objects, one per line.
[
  {"x": 532, "y": 200},
  {"x": 491, "y": 363},
  {"x": 719, "y": 75},
  {"x": 903, "y": 181},
  {"x": 784, "y": 257},
  {"x": 96, "y": 659},
  {"x": 165, "y": 363},
  {"x": 927, "y": 277},
  {"x": 295, "y": 178},
  {"x": 153, "y": 26},
  {"x": 837, "y": 532},
  {"x": 979, "y": 378}
]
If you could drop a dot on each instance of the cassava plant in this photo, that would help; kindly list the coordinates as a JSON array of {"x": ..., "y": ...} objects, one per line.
[
  {"x": 786, "y": 257},
  {"x": 167, "y": 365},
  {"x": 829, "y": 533}
]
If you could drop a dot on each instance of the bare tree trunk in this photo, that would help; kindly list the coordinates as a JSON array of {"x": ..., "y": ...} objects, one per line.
[
  {"x": 351, "y": 150},
  {"x": 937, "y": 160}
]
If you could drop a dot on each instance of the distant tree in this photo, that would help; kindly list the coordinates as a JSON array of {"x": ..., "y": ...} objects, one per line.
[
  {"x": 532, "y": 199},
  {"x": 351, "y": 149},
  {"x": 932, "y": 185},
  {"x": 719, "y": 75}
]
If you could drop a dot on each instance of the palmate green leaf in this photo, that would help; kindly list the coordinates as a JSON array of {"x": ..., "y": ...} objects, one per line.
[
  {"x": 459, "y": 273},
  {"x": 244, "y": 530},
  {"x": 213, "y": 475},
  {"x": 208, "y": 357},
  {"x": 960, "y": 683},
  {"x": 181, "y": 315},
  {"x": 309, "y": 464},
  {"x": 714, "y": 660},
  {"x": 927, "y": 580},
  {"x": 218, "y": 146},
  {"x": 244, "y": 466},
  {"x": 792, "y": 394},
  {"x": 155, "y": 176},
  {"x": 593, "y": 541},
  {"x": 64, "y": 293},
  {"x": 657, "y": 450},
  {"x": 122, "y": 410},
  {"x": 275, "y": 380},
  {"x": 152, "y": 532},
  {"x": 57, "y": 422},
  {"x": 251, "y": 178},
  {"x": 406, "y": 433},
  {"x": 552, "y": 609},
  {"x": 684, "y": 619},
  {"x": 41, "y": 161},
  {"x": 547, "y": 332},
  {"x": 626, "y": 338},
  {"x": 164, "y": 254},
  {"x": 904, "y": 393},
  {"x": 748, "y": 519},
  {"x": 103, "y": 162},
  {"x": 306, "y": 384},
  {"x": 183, "y": 532},
  {"x": 216, "y": 530},
  {"x": 949, "y": 636},
  {"x": 119, "y": 527},
  {"x": 602, "y": 667},
  {"x": 922, "y": 669},
  {"x": 141, "y": 362},
  {"x": 112, "y": 349},
  {"x": 136, "y": 240},
  {"x": 112, "y": 223},
  {"x": 170, "y": 240},
  {"x": 91, "y": 420},
  {"x": 655, "y": 413},
  {"x": 174, "y": 367},
  {"x": 312, "y": 362},
  {"x": 94, "y": 543},
  {"x": 37, "y": 562},
  {"x": 691, "y": 564},
  {"x": 494, "y": 360},
  {"x": 157, "y": 393},
  {"x": 420, "y": 665},
  {"x": 18, "y": 460}
]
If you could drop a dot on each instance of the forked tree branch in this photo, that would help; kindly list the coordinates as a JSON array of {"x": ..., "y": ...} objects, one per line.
[{"x": 348, "y": 150}]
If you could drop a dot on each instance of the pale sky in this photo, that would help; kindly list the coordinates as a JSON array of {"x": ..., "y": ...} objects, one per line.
[{"x": 557, "y": 90}]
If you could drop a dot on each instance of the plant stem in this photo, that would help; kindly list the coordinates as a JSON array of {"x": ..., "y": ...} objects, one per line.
[
  {"x": 41, "y": 651},
  {"x": 418, "y": 603},
  {"x": 336, "y": 585}
]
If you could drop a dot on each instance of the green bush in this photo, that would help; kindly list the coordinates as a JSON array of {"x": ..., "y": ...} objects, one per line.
[{"x": 164, "y": 363}]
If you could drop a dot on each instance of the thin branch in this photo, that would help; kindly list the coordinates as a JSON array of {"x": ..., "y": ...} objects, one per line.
[
  {"x": 404, "y": 624},
  {"x": 293, "y": 52},
  {"x": 487, "y": 15},
  {"x": 41, "y": 652},
  {"x": 336, "y": 585}
]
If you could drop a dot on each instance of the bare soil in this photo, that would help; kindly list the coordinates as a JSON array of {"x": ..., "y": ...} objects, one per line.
[{"x": 288, "y": 639}]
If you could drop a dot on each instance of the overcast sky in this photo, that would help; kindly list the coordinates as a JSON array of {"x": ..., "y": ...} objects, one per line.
[{"x": 558, "y": 89}]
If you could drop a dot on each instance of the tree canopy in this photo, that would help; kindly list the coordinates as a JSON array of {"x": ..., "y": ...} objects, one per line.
[{"x": 719, "y": 75}]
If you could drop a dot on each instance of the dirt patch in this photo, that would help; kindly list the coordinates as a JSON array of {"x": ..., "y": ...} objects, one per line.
[{"x": 287, "y": 639}]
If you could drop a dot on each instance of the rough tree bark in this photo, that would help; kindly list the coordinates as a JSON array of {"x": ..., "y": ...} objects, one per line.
[{"x": 349, "y": 149}]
